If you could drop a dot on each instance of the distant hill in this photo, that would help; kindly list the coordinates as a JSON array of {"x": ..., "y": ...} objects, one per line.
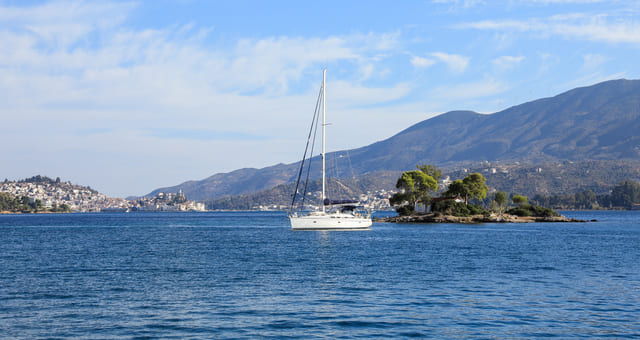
[{"x": 599, "y": 122}]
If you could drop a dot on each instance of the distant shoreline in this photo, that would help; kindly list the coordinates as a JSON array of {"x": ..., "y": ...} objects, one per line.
[{"x": 33, "y": 212}]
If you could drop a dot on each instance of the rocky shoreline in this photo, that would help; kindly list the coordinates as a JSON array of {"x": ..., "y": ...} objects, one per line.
[{"x": 504, "y": 218}]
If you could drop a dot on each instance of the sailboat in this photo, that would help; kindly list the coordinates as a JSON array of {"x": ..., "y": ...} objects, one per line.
[{"x": 333, "y": 215}]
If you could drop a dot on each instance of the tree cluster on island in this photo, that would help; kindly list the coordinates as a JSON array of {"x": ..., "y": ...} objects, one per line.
[{"x": 462, "y": 198}]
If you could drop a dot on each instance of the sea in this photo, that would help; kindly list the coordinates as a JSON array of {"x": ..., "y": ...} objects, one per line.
[{"x": 247, "y": 275}]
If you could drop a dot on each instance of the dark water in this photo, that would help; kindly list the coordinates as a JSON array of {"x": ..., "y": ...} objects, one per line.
[{"x": 247, "y": 275}]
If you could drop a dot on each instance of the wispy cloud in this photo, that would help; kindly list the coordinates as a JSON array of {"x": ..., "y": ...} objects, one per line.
[
  {"x": 470, "y": 90},
  {"x": 421, "y": 62},
  {"x": 60, "y": 24},
  {"x": 601, "y": 27},
  {"x": 109, "y": 78},
  {"x": 566, "y": 1},
  {"x": 77, "y": 69},
  {"x": 203, "y": 134},
  {"x": 593, "y": 61},
  {"x": 460, "y": 3},
  {"x": 506, "y": 63},
  {"x": 456, "y": 63}
]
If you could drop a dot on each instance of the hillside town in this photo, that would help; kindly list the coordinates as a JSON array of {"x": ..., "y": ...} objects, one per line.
[
  {"x": 49, "y": 195},
  {"x": 55, "y": 193}
]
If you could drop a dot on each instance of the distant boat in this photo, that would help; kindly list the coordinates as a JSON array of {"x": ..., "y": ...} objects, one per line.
[{"x": 333, "y": 215}]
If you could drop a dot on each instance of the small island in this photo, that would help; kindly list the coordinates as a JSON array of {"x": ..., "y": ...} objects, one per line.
[
  {"x": 414, "y": 203},
  {"x": 493, "y": 218}
]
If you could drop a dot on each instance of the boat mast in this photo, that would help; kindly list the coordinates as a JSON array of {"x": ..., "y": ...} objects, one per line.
[{"x": 324, "y": 92}]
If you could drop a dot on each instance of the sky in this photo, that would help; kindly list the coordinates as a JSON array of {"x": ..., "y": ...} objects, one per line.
[{"x": 130, "y": 96}]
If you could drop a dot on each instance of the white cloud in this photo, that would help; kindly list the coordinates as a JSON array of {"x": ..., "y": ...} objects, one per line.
[
  {"x": 470, "y": 90},
  {"x": 421, "y": 62},
  {"x": 601, "y": 28},
  {"x": 506, "y": 63},
  {"x": 567, "y": 1},
  {"x": 456, "y": 63},
  {"x": 460, "y": 3},
  {"x": 593, "y": 61},
  {"x": 59, "y": 24},
  {"x": 74, "y": 78},
  {"x": 345, "y": 94}
]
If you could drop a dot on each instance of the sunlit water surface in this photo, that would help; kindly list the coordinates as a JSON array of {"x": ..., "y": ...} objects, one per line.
[{"x": 247, "y": 275}]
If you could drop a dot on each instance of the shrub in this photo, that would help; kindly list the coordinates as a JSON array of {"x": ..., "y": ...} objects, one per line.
[
  {"x": 532, "y": 210},
  {"x": 520, "y": 211},
  {"x": 405, "y": 210},
  {"x": 458, "y": 209}
]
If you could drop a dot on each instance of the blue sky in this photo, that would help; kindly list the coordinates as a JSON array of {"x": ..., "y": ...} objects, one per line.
[{"x": 129, "y": 96}]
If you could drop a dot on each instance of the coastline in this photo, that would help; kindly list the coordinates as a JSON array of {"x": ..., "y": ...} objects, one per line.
[{"x": 476, "y": 219}]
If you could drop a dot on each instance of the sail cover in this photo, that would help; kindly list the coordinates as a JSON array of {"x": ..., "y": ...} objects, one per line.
[{"x": 339, "y": 202}]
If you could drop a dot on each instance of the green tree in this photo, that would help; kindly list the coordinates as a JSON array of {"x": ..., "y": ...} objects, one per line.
[
  {"x": 37, "y": 205},
  {"x": 471, "y": 187},
  {"x": 519, "y": 200},
  {"x": 477, "y": 187},
  {"x": 501, "y": 200},
  {"x": 585, "y": 200},
  {"x": 625, "y": 194},
  {"x": 6, "y": 201},
  {"x": 431, "y": 170},
  {"x": 457, "y": 188},
  {"x": 416, "y": 187}
]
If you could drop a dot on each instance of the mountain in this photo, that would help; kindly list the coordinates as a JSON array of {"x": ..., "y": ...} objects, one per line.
[{"x": 599, "y": 122}]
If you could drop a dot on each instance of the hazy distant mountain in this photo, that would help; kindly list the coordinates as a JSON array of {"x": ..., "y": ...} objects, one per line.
[{"x": 599, "y": 122}]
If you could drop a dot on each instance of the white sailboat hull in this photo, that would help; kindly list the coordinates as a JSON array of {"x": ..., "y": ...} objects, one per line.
[{"x": 336, "y": 221}]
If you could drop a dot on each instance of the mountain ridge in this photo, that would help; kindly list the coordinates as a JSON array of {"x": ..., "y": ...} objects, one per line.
[{"x": 598, "y": 122}]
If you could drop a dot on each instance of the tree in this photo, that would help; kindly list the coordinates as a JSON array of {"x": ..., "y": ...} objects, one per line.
[
  {"x": 457, "y": 188},
  {"x": 626, "y": 194},
  {"x": 519, "y": 200},
  {"x": 471, "y": 187},
  {"x": 431, "y": 170},
  {"x": 585, "y": 200},
  {"x": 416, "y": 187},
  {"x": 477, "y": 187},
  {"x": 37, "y": 205},
  {"x": 501, "y": 200}
]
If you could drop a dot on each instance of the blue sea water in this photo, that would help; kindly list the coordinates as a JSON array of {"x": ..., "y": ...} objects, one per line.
[{"x": 247, "y": 275}]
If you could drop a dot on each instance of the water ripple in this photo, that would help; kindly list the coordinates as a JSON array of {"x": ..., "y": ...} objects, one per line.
[{"x": 246, "y": 275}]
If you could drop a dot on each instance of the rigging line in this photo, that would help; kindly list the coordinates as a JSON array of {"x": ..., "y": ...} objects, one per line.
[
  {"x": 353, "y": 174},
  {"x": 315, "y": 133},
  {"x": 336, "y": 174},
  {"x": 314, "y": 121},
  {"x": 306, "y": 148}
]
